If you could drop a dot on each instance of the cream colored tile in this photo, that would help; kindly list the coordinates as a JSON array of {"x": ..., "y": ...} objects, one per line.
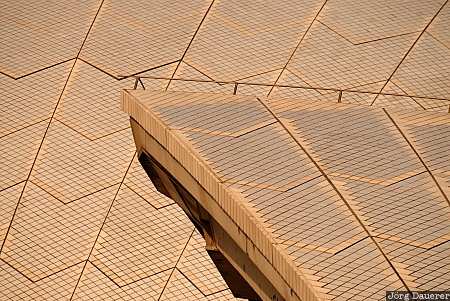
[
  {"x": 139, "y": 182},
  {"x": 365, "y": 21},
  {"x": 94, "y": 285},
  {"x": 48, "y": 236},
  {"x": 180, "y": 288},
  {"x": 240, "y": 39},
  {"x": 426, "y": 70},
  {"x": 30, "y": 99},
  {"x": 59, "y": 286},
  {"x": 132, "y": 36},
  {"x": 196, "y": 265},
  {"x": 38, "y": 34},
  {"x": 327, "y": 60},
  {"x": 90, "y": 102},
  {"x": 70, "y": 166},
  {"x": 18, "y": 151},
  {"x": 8, "y": 201},
  {"x": 138, "y": 240}
]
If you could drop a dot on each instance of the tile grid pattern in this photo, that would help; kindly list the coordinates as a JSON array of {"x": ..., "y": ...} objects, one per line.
[
  {"x": 34, "y": 117},
  {"x": 46, "y": 204},
  {"x": 362, "y": 165}
]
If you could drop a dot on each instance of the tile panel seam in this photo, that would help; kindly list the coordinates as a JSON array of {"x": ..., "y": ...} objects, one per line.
[
  {"x": 48, "y": 127},
  {"x": 410, "y": 49},
  {"x": 338, "y": 193}
]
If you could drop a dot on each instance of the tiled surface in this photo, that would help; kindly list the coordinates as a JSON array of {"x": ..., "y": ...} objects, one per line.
[
  {"x": 426, "y": 71},
  {"x": 325, "y": 59},
  {"x": 30, "y": 99},
  {"x": 38, "y": 34},
  {"x": 47, "y": 236},
  {"x": 132, "y": 36},
  {"x": 146, "y": 240},
  {"x": 240, "y": 39},
  {"x": 9, "y": 197},
  {"x": 365, "y": 21},
  {"x": 16, "y": 286},
  {"x": 18, "y": 151},
  {"x": 440, "y": 28},
  {"x": 95, "y": 285},
  {"x": 85, "y": 154},
  {"x": 328, "y": 181},
  {"x": 89, "y": 103},
  {"x": 195, "y": 266},
  {"x": 70, "y": 166}
]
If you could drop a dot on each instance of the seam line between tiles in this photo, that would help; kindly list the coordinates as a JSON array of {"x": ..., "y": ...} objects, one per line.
[
  {"x": 190, "y": 43},
  {"x": 365, "y": 42},
  {"x": 297, "y": 47},
  {"x": 102, "y": 225},
  {"x": 46, "y": 276},
  {"x": 337, "y": 192},
  {"x": 175, "y": 267},
  {"x": 47, "y": 128},
  {"x": 74, "y": 200},
  {"x": 129, "y": 283},
  {"x": 11, "y": 186},
  {"x": 22, "y": 128},
  {"x": 401, "y": 89},
  {"x": 437, "y": 40},
  {"x": 190, "y": 281},
  {"x": 145, "y": 200},
  {"x": 45, "y": 68},
  {"x": 36, "y": 71},
  {"x": 86, "y": 137},
  {"x": 417, "y": 155},
  {"x": 409, "y": 50}
]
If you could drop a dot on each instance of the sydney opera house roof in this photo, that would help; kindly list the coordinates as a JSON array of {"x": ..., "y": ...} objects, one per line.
[{"x": 316, "y": 131}]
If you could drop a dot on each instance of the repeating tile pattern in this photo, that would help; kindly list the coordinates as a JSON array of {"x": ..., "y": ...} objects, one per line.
[
  {"x": 186, "y": 71},
  {"x": 431, "y": 139},
  {"x": 199, "y": 269},
  {"x": 59, "y": 286},
  {"x": 70, "y": 166},
  {"x": 138, "y": 181},
  {"x": 47, "y": 236},
  {"x": 426, "y": 268},
  {"x": 16, "y": 156},
  {"x": 328, "y": 181},
  {"x": 258, "y": 90},
  {"x": 363, "y": 98},
  {"x": 325, "y": 59},
  {"x": 440, "y": 28},
  {"x": 38, "y": 34},
  {"x": 30, "y": 99},
  {"x": 295, "y": 218},
  {"x": 89, "y": 104},
  {"x": 132, "y": 36},
  {"x": 387, "y": 101},
  {"x": 215, "y": 117},
  {"x": 94, "y": 285},
  {"x": 426, "y": 70},
  {"x": 149, "y": 83},
  {"x": 8, "y": 201},
  {"x": 376, "y": 169},
  {"x": 180, "y": 288},
  {"x": 359, "y": 272},
  {"x": 365, "y": 21},
  {"x": 288, "y": 78},
  {"x": 138, "y": 241},
  {"x": 86, "y": 152},
  {"x": 240, "y": 39}
]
